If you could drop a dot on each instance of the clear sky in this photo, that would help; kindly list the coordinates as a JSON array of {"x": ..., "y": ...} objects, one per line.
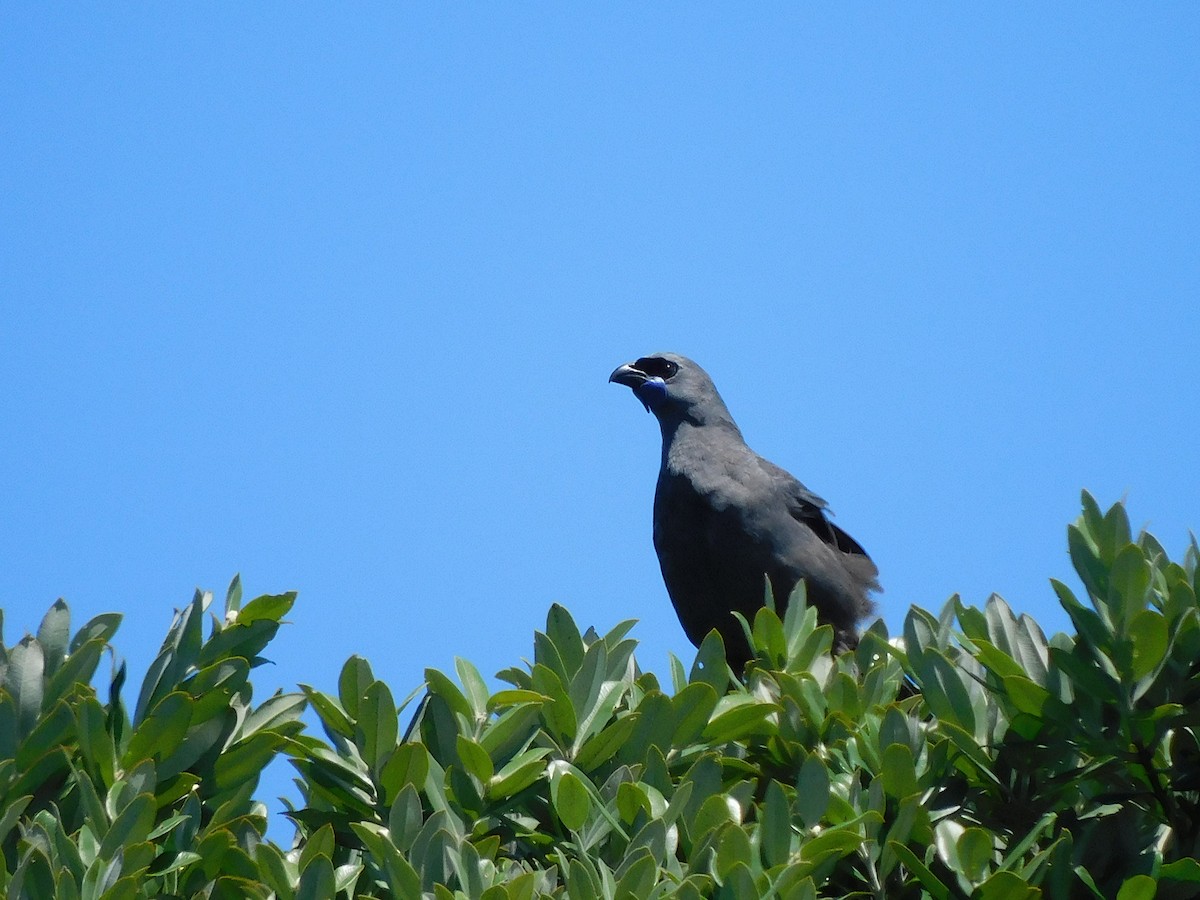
[{"x": 329, "y": 295}]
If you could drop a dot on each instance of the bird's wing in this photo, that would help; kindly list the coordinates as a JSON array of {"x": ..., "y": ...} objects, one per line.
[{"x": 810, "y": 510}]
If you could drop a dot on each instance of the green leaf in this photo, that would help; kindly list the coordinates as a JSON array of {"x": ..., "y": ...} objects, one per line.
[
  {"x": 571, "y": 799},
  {"x": 678, "y": 676},
  {"x": 1115, "y": 532},
  {"x": 733, "y": 848},
  {"x": 1129, "y": 583},
  {"x": 162, "y": 731},
  {"x": 920, "y": 634},
  {"x": 631, "y": 800},
  {"x": 75, "y": 672},
  {"x": 203, "y": 740},
  {"x": 602, "y": 746},
  {"x": 275, "y": 714},
  {"x": 233, "y": 595},
  {"x": 599, "y": 714},
  {"x": 277, "y": 871},
  {"x": 581, "y": 880},
  {"x": 775, "y": 828},
  {"x": 1139, "y": 887},
  {"x": 377, "y": 728},
  {"x": 125, "y": 888},
  {"x": 100, "y": 628},
  {"x": 799, "y": 619},
  {"x": 692, "y": 708},
  {"x": 131, "y": 826},
  {"x": 354, "y": 679},
  {"x": 970, "y": 747},
  {"x": 710, "y": 812},
  {"x": 23, "y": 680},
  {"x": 409, "y": 764},
  {"x": 519, "y": 773},
  {"x": 1085, "y": 558},
  {"x": 995, "y": 659},
  {"x": 1021, "y": 639},
  {"x": 12, "y": 814},
  {"x": 52, "y": 730},
  {"x": 245, "y": 639},
  {"x": 213, "y": 688},
  {"x": 834, "y": 843},
  {"x": 976, "y": 849},
  {"x": 710, "y": 666},
  {"x": 558, "y": 714},
  {"x": 898, "y": 728},
  {"x": 737, "y": 716},
  {"x": 654, "y": 728},
  {"x": 1093, "y": 630},
  {"x": 317, "y": 881},
  {"x": 545, "y": 654},
  {"x": 636, "y": 877},
  {"x": 1187, "y": 870},
  {"x": 95, "y": 742},
  {"x": 1150, "y": 637},
  {"x": 42, "y": 774},
  {"x": 53, "y": 635},
  {"x": 937, "y": 890},
  {"x": 944, "y": 688},
  {"x": 899, "y": 774},
  {"x": 588, "y": 683},
  {"x": 1006, "y": 886},
  {"x": 739, "y": 881},
  {"x": 320, "y": 843},
  {"x": 330, "y": 712},
  {"x": 769, "y": 637},
  {"x": 405, "y": 817},
  {"x": 615, "y": 635},
  {"x": 1092, "y": 519},
  {"x": 440, "y": 685},
  {"x": 91, "y": 806},
  {"x": 473, "y": 686},
  {"x": 474, "y": 758},
  {"x": 1026, "y": 696},
  {"x": 245, "y": 760},
  {"x": 1086, "y": 678},
  {"x": 564, "y": 635},
  {"x": 269, "y": 608},
  {"x": 812, "y": 791},
  {"x": 513, "y": 697},
  {"x": 161, "y": 678}
]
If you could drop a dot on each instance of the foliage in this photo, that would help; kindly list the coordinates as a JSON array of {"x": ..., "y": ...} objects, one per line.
[
  {"x": 95, "y": 803},
  {"x": 968, "y": 757}
]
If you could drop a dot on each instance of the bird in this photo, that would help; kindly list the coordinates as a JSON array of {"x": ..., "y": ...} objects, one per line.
[{"x": 725, "y": 519}]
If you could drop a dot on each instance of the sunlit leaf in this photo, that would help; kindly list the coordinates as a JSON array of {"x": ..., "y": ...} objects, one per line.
[
  {"x": 565, "y": 637},
  {"x": 571, "y": 799},
  {"x": 1150, "y": 636},
  {"x": 53, "y": 635},
  {"x": 23, "y": 680}
]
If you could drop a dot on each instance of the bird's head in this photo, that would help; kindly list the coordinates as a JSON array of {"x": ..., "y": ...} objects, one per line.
[{"x": 674, "y": 388}]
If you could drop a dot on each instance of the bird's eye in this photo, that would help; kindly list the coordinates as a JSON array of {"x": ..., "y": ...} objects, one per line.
[{"x": 656, "y": 367}]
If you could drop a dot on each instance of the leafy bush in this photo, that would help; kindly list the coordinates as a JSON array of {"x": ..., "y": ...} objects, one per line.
[
  {"x": 96, "y": 804},
  {"x": 968, "y": 757}
]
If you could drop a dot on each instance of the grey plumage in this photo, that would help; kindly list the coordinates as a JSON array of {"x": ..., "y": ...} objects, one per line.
[{"x": 724, "y": 517}]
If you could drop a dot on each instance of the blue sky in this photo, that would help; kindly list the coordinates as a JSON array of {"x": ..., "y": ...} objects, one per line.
[{"x": 329, "y": 297}]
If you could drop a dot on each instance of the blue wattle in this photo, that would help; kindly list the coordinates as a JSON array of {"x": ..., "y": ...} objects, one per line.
[{"x": 651, "y": 393}]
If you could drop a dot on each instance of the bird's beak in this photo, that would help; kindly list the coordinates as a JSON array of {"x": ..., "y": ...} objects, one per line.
[{"x": 628, "y": 376}]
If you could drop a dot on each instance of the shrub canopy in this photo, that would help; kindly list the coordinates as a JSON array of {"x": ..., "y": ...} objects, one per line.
[{"x": 967, "y": 757}]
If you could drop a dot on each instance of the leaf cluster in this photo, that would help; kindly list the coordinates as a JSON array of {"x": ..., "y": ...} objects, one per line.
[
  {"x": 98, "y": 803},
  {"x": 968, "y": 756}
]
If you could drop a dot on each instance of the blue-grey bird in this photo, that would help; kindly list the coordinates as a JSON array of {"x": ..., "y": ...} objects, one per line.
[{"x": 724, "y": 517}]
